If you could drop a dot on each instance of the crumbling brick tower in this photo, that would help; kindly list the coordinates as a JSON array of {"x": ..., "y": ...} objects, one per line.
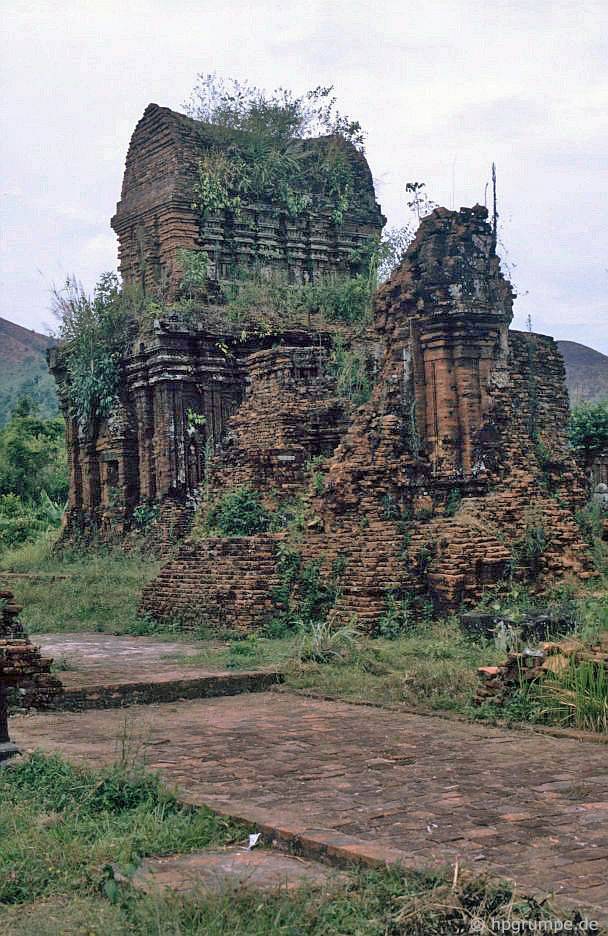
[
  {"x": 459, "y": 467},
  {"x": 146, "y": 453},
  {"x": 456, "y": 474}
]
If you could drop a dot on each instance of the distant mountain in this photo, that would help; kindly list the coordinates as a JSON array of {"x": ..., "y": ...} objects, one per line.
[
  {"x": 23, "y": 369},
  {"x": 586, "y": 372}
]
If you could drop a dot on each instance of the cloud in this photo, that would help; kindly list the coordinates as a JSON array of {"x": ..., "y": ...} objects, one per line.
[{"x": 443, "y": 89}]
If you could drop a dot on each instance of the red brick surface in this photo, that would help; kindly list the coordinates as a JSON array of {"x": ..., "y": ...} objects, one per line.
[{"x": 373, "y": 784}]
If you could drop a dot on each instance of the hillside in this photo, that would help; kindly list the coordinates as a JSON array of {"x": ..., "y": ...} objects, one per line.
[
  {"x": 23, "y": 369},
  {"x": 586, "y": 372}
]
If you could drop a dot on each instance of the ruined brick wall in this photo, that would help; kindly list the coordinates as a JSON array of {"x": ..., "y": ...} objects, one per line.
[
  {"x": 457, "y": 474},
  {"x": 291, "y": 413},
  {"x": 148, "y": 459},
  {"x": 22, "y": 665},
  {"x": 459, "y": 467},
  {"x": 155, "y": 218},
  {"x": 220, "y": 583}
]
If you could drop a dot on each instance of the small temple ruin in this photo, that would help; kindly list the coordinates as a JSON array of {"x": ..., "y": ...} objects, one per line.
[
  {"x": 22, "y": 667},
  {"x": 454, "y": 475}
]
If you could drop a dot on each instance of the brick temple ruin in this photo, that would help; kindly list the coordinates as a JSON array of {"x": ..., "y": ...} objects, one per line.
[
  {"x": 145, "y": 452},
  {"x": 455, "y": 474}
]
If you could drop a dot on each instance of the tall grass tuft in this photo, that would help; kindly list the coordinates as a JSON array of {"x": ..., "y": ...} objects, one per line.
[{"x": 578, "y": 696}]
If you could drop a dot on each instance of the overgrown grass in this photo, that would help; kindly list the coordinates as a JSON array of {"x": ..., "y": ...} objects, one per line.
[
  {"x": 60, "y": 826},
  {"x": 434, "y": 666},
  {"x": 369, "y": 903},
  {"x": 79, "y": 590},
  {"x": 578, "y": 696},
  {"x": 334, "y": 298}
]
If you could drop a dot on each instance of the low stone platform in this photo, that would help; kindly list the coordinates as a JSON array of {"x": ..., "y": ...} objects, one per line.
[
  {"x": 216, "y": 871},
  {"x": 106, "y": 671},
  {"x": 360, "y": 783}
]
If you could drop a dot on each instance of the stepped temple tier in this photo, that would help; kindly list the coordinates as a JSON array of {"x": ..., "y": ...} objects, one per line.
[{"x": 415, "y": 456}]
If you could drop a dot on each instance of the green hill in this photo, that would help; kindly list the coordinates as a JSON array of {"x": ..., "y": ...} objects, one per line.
[
  {"x": 586, "y": 372},
  {"x": 23, "y": 369}
]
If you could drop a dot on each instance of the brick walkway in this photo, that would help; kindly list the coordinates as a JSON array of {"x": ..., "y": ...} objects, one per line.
[{"x": 364, "y": 781}]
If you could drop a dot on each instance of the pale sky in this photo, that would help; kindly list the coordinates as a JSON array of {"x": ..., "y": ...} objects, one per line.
[{"x": 443, "y": 88}]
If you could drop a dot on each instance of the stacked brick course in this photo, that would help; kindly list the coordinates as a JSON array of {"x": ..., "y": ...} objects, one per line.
[
  {"x": 146, "y": 451},
  {"x": 21, "y": 666},
  {"x": 457, "y": 472},
  {"x": 155, "y": 217}
]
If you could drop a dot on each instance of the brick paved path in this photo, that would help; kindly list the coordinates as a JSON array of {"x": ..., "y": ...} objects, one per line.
[{"x": 367, "y": 781}]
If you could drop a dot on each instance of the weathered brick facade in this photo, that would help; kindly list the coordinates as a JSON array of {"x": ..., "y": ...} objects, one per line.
[
  {"x": 21, "y": 666},
  {"x": 455, "y": 475},
  {"x": 155, "y": 217},
  {"x": 146, "y": 452}
]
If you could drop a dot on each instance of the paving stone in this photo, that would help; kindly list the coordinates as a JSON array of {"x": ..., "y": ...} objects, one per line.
[
  {"x": 232, "y": 869},
  {"x": 342, "y": 810}
]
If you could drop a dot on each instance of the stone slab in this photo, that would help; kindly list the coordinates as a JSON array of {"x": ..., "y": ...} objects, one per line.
[
  {"x": 366, "y": 784},
  {"x": 216, "y": 871}
]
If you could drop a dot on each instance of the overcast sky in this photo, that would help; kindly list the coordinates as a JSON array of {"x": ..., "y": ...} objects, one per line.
[{"x": 443, "y": 88}]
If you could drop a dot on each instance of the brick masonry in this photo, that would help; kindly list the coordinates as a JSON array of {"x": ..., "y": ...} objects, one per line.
[
  {"x": 361, "y": 783},
  {"x": 146, "y": 451},
  {"x": 454, "y": 476}
]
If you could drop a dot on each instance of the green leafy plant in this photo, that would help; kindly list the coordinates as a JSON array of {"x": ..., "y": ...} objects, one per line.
[
  {"x": 32, "y": 455},
  {"x": 324, "y": 643},
  {"x": 33, "y": 476},
  {"x": 529, "y": 549},
  {"x": 195, "y": 271},
  {"x": 146, "y": 514},
  {"x": 259, "y": 153},
  {"x": 453, "y": 502},
  {"x": 588, "y": 430},
  {"x": 351, "y": 371},
  {"x": 94, "y": 332},
  {"x": 239, "y": 513},
  {"x": 591, "y": 521},
  {"x": 270, "y": 295},
  {"x": 420, "y": 203},
  {"x": 398, "y": 618},
  {"x": 577, "y": 696}
]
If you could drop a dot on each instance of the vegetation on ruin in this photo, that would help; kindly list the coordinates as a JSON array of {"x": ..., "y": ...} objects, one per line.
[
  {"x": 33, "y": 475},
  {"x": 73, "y": 837},
  {"x": 239, "y": 512},
  {"x": 351, "y": 369},
  {"x": 94, "y": 332},
  {"x": 335, "y": 297},
  {"x": 260, "y": 293},
  {"x": 261, "y": 156},
  {"x": 591, "y": 521}
]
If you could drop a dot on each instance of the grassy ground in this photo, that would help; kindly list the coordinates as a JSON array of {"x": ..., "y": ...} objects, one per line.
[
  {"x": 432, "y": 665},
  {"x": 63, "y": 830},
  {"x": 78, "y": 590}
]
